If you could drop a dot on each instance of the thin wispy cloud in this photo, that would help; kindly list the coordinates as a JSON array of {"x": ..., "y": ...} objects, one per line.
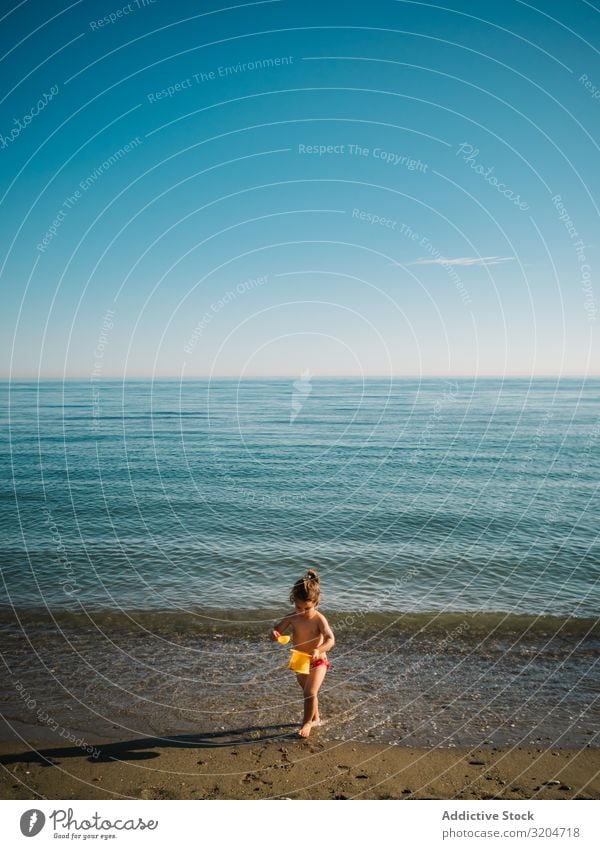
[{"x": 464, "y": 260}]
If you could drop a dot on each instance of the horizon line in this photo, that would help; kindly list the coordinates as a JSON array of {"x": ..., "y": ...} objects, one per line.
[{"x": 295, "y": 376}]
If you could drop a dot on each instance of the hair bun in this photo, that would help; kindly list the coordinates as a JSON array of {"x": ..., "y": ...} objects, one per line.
[{"x": 307, "y": 588}]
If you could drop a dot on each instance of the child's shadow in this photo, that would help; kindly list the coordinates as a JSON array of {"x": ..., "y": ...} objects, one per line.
[{"x": 131, "y": 750}]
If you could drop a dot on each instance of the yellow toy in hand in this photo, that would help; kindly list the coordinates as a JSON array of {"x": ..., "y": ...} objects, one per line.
[{"x": 283, "y": 639}]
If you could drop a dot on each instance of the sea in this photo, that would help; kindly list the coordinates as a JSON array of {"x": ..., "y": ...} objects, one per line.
[{"x": 152, "y": 530}]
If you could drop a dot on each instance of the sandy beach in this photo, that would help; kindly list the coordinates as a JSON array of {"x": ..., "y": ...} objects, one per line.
[{"x": 196, "y": 767}]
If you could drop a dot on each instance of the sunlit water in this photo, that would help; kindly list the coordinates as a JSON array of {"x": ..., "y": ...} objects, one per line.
[{"x": 191, "y": 506}]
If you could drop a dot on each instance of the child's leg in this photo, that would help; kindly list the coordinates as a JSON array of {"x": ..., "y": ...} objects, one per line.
[
  {"x": 311, "y": 703},
  {"x": 302, "y": 679}
]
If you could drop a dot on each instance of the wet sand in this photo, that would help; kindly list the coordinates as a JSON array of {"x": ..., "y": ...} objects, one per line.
[
  {"x": 420, "y": 681},
  {"x": 201, "y": 767}
]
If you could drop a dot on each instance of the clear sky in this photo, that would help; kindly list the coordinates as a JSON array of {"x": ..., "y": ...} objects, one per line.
[{"x": 263, "y": 188}]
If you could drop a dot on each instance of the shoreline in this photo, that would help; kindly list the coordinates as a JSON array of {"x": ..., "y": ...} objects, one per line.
[
  {"x": 201, "y": 767},
  {"x": 253, "y": 622},
  {"x": 422, "y": 686}
]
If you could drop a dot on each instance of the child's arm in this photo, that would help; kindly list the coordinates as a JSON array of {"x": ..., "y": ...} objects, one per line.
[
  {"x": 279, "y": 627},
  {"x": 329, "y": 639}
]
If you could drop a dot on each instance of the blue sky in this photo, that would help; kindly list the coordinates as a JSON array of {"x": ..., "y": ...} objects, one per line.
[{"x": 264, "y": 188}]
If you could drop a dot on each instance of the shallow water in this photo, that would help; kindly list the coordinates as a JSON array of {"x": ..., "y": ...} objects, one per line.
[
  {"x": 151, "y": 534},
  {"x": 418, "y": 681}
]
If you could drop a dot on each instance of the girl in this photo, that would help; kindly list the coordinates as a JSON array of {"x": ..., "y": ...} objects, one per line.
[{"x": 311, "y": 634}]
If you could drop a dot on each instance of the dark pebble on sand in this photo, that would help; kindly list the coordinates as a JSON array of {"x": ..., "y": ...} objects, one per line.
[{"x": 477, "y": 763}]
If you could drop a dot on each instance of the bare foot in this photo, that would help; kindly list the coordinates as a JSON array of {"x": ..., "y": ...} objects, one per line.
[{"x": 305, "y": 730}]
